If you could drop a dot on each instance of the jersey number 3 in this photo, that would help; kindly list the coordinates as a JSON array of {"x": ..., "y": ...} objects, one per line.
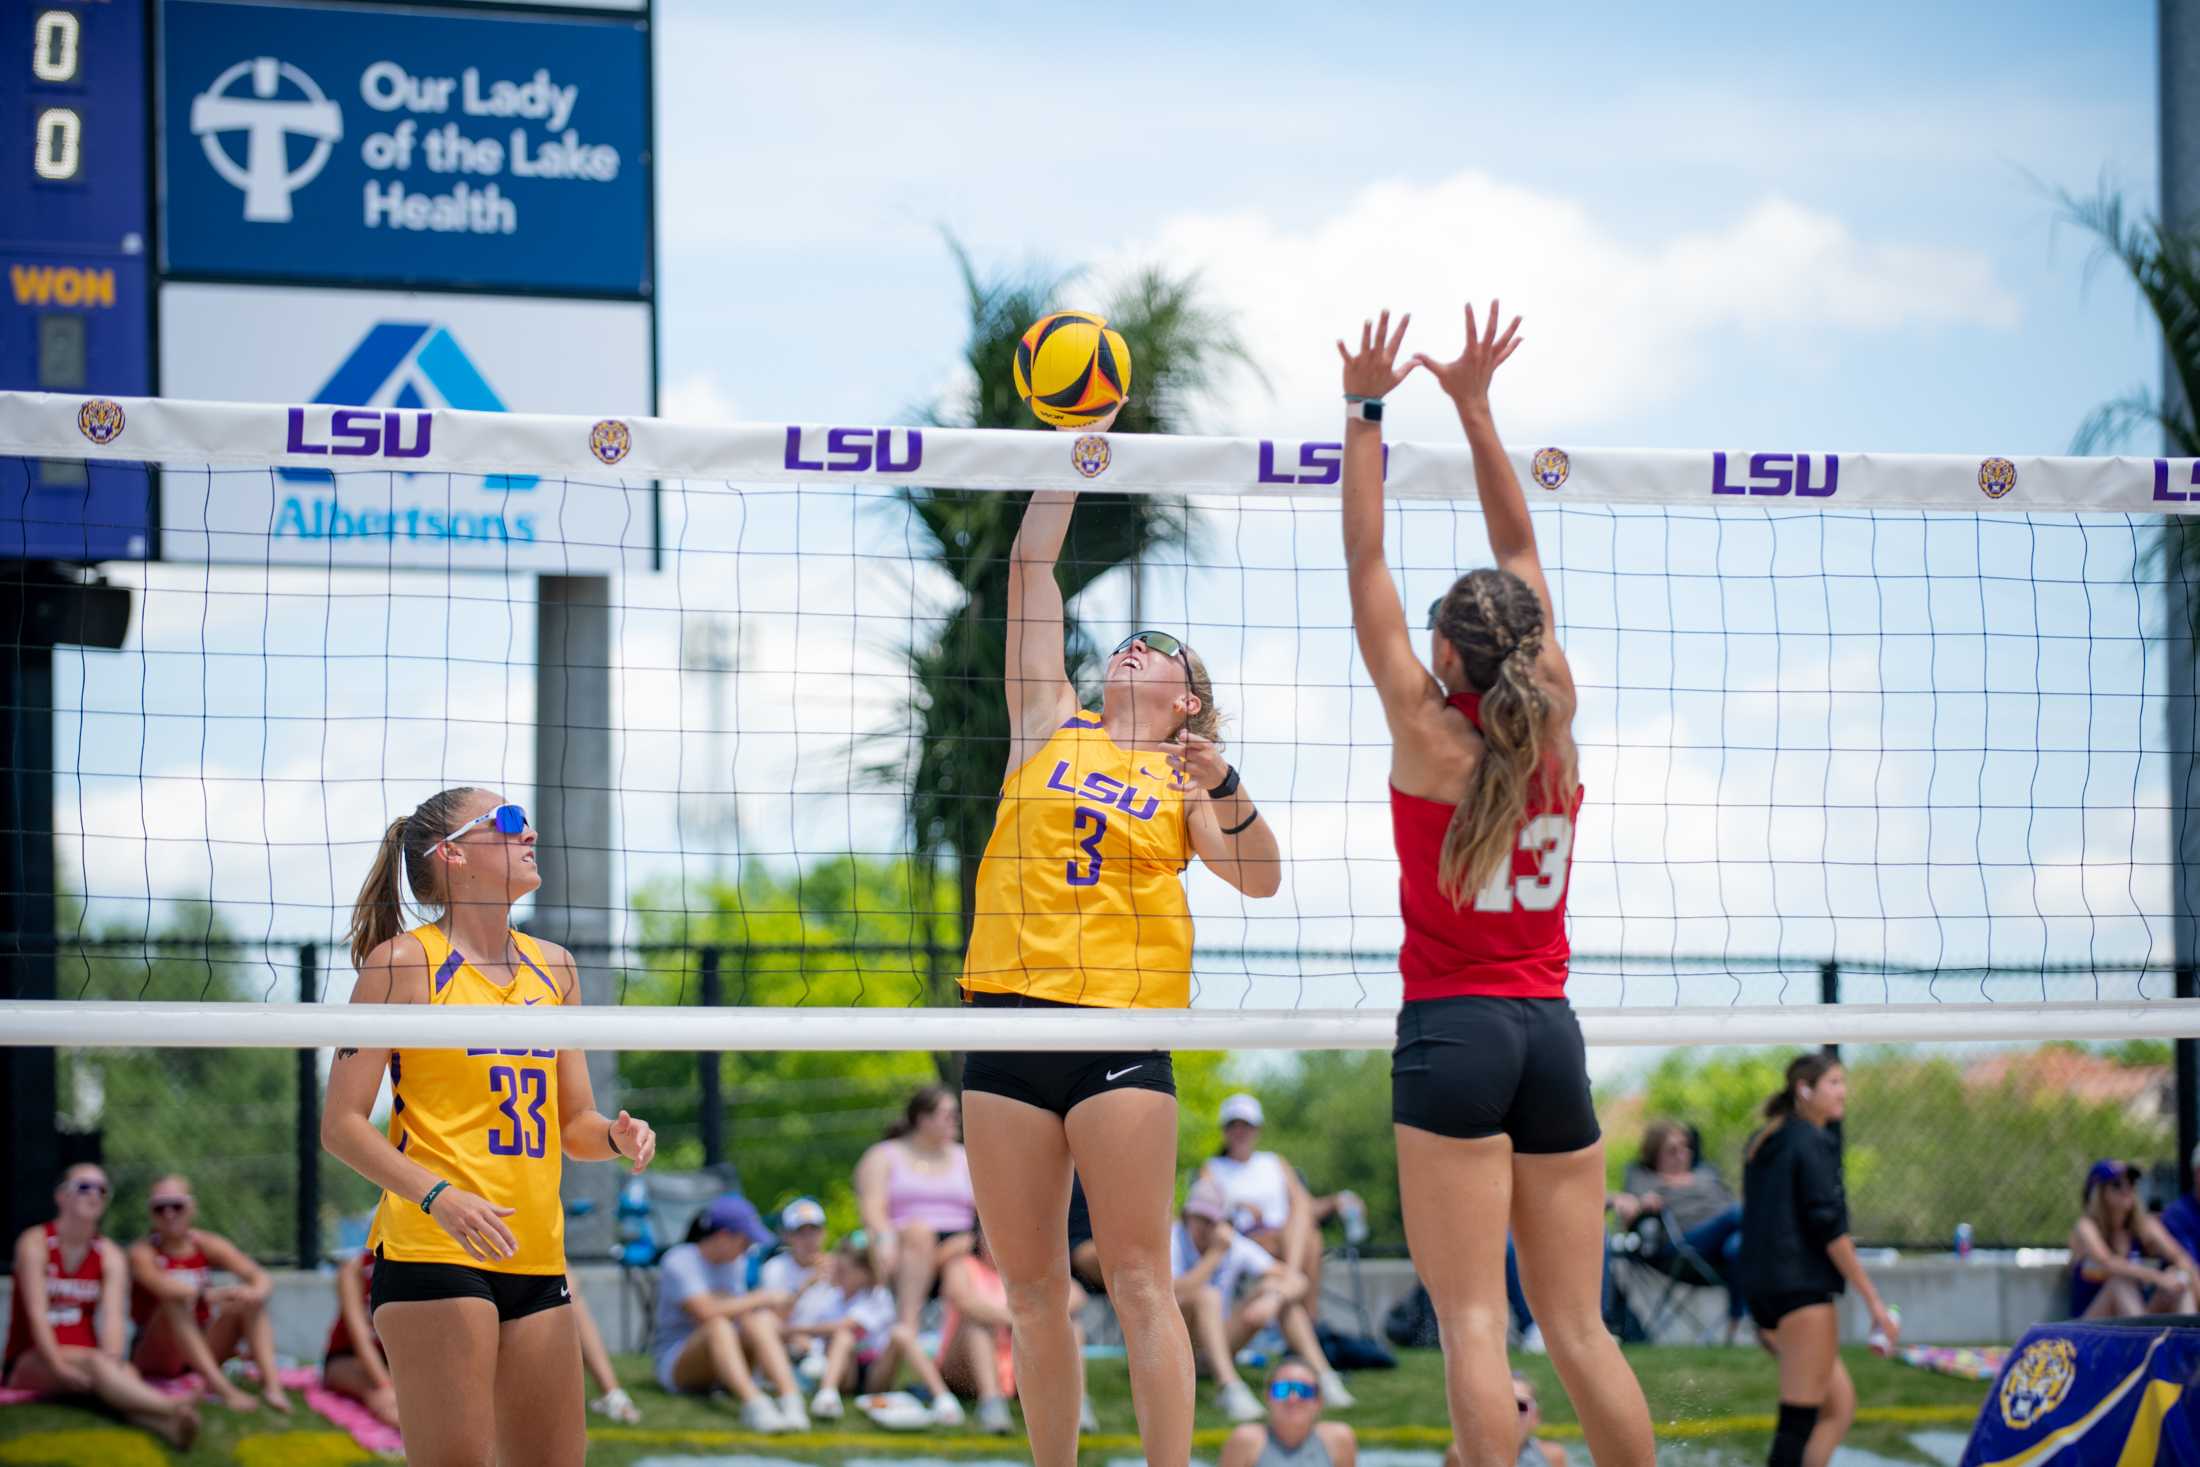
[{"x": 1551, "y": 839}]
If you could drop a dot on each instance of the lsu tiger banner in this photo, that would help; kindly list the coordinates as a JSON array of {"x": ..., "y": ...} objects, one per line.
[
  {"x": 2082, "y": 1394},
  {"x": 397, "y": 434}
]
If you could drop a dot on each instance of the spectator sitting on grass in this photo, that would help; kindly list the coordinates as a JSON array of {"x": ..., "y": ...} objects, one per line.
[
  {"x": 1269, "y": 1202},
  {"x": 1294, "y": 1435},
  {"x": 185, "y": 1321},
  {"x": 65, "y": 1321},
  {"x": 1670, "y": 1182},
  {"x": 703, "y": 1314},
  {"x": 976, "y": 1352},
  {"x": 1210, "y": 1262},
  {"x": 914, "y": 1191},
  {"x": 352, "y": 1364},
  {"x": 801, "y": 1263},
  {"x": 846, "y": 1319},
  {"x": 2110, "y": 1275}
]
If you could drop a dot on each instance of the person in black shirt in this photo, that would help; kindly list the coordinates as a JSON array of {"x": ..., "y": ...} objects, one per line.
[{"x": 1797, "y": 1256}]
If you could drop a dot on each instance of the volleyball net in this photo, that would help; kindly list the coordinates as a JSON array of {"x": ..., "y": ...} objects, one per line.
[
  {"x": 1905, "y": 715},
  {"x": 1895, "y": 729}
]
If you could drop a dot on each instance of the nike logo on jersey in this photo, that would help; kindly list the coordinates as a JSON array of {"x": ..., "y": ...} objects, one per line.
[
  {"x": 1115, "y": 1075},
  {"x": 532, "y": 1002}
]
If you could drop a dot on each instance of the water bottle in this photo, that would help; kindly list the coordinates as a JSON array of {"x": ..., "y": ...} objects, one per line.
[
  {"x": 1354, "y": 1213},
  {"x": 637, "y": 1241},
  {"x": 1963, "y": 1240},
  {"x": 1880, "y": 1344}
]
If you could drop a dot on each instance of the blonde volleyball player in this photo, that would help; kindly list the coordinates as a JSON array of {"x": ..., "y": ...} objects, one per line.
[
  {"x": 469, "y": 1239},
  {"x": 1080, "y": 904},
  {"x": 1489, "y": 1087}
]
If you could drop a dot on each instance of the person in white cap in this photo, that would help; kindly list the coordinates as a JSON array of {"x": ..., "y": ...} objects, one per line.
[
  {"x": 801, "y": 1263},
  {"x": 1230, "y": 1289},
  {"x": 1268, "y": 1201}
]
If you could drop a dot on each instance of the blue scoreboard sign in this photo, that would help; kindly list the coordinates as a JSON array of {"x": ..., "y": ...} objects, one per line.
[
  {"x": 75, "y": 303},
  {"x": 328, "y": 144}
]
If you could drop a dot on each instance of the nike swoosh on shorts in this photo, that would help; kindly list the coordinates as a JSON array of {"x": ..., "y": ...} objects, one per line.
[{"x": 1115, "y": 1075}]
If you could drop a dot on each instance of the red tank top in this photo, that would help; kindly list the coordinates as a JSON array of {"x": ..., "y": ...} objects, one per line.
[
  {"x": 72, "y": 1302},
  {"x": 144, "y": 1303},
  {"x": 1510, "y": 938},
  {"x": 339, "y": 1338}
]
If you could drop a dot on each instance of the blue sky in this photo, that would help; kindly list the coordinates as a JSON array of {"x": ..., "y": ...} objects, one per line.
[{"x": 1814, "y": 229}]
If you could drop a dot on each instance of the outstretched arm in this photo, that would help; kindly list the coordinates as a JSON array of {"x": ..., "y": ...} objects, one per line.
[
  {"x": 1504, "y": 508},
  {"x": 1378, "y": 620}
]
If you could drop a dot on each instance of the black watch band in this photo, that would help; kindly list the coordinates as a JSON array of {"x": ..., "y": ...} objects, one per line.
[{"x": 1227, "y": 788}]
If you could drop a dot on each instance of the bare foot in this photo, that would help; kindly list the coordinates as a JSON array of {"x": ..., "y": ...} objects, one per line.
[
  {"x": 179, "y": 1427},
  {"x": 276, "y": 1399},
  {"x": 235, "y": 1399}
]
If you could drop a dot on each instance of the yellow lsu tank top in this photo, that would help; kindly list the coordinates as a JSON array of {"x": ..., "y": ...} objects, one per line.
[
  {"x": 482, "y": 1119},
  {"x": 1081, "y": 892}
]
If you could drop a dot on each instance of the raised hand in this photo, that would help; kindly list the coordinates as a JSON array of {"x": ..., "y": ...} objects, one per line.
[
  {"x": 1373, "y": 370},
  {"x": 1196, "y": 762},
  {"x": 1467, "y": 380}
]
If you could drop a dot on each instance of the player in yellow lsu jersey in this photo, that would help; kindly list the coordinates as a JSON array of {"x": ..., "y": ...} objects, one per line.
[
  {"x": 1080, "y": 903},
  {"x": 469, "y": 1239}
]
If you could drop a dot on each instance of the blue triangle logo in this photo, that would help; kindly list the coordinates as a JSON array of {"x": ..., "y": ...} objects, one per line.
[{"x": 426, "y": 363}]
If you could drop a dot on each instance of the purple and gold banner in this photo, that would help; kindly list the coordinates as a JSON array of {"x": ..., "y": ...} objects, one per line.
[{"x": 2079, "y": 1394}]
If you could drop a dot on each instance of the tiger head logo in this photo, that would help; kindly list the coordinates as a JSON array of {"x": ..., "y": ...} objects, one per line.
[
  {"x": 1996, "y": 477},
  {"x": 1090, "y": 454},
  {"x": 100, "y": 420},
  {"x": 2037, "y": 1381},
  {"x": 1551, "y": 467},
  {"x": 609, "y": 440}
]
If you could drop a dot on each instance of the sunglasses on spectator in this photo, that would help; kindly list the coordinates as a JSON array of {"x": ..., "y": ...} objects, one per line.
[
  {"x": 1293, "y": 1390},
  {"x": 168, "y": 1204},
  {"x": 90, "y": 1189},
  {"x": 508, "y": 819}
]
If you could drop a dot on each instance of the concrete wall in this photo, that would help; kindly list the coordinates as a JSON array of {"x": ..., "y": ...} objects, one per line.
[{"x": 1943, "y": 1302}]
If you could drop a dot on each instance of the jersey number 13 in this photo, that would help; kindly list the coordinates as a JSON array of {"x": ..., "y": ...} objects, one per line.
[{"x": 1551, "y": 839}]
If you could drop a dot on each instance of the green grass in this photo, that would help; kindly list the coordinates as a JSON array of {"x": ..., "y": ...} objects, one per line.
[{"x": 1693, "y": 1393}]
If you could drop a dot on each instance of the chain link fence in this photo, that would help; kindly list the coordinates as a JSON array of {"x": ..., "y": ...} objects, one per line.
[{"x": 1936, "y": 1136}]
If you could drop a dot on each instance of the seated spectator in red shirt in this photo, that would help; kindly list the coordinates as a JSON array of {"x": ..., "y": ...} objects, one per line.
[{"x": 185, "y": 1321}]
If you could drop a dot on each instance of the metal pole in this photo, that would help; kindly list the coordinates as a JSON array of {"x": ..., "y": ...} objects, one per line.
[
  {"x": 28, "y": 1142},
  {"x": 1829, "y": 990},
  {"x": 573, "y": 795},
  {"x": 707, "y": 1063},
  {"x": 2178, "y": 57},
  {"x": 309, "y": 1119}
]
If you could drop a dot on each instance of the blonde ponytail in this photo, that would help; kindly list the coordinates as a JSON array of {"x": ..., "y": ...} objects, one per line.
[{"x": 379, "y": 913}]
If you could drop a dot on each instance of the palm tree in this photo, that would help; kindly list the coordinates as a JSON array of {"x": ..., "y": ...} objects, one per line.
[
  {"x": 2165, "y": 265},
  {"x": 956, "y": 732}
]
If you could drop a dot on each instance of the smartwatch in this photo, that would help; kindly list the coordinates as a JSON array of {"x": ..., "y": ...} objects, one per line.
[{"x": 1365, "y": 409}]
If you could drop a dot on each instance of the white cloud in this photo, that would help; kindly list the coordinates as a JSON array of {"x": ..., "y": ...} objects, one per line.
[
  {"x": 1611, "y": 326},
  {"x": 697, "y": 397}
]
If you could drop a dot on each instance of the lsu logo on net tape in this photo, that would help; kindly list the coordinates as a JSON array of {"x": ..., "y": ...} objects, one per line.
[
  {"x": 1996, "y": 477},
  {"x": 1091, "y": 455},
  {"x": 100, "y": 420},
  {"x": 1551, "y": 467},
  {"x": 610, "y": 440}
]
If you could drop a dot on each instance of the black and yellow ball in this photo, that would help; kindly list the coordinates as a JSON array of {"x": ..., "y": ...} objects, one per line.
[{"x": 1072, "y": 369}]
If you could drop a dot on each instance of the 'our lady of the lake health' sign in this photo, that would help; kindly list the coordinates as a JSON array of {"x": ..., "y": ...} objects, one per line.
[{"x": 387, "y": 147}]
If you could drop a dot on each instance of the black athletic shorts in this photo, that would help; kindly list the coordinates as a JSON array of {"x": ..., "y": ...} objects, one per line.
[
  {"x": 1479, "y": 1065},
  {"x": 1058, "y": 1081},
  {"x": 1770, "y": 1310},
  {"x": 516, "y": 1295}
]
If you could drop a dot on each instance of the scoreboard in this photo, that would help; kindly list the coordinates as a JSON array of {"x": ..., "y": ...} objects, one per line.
[{"x": 401, "y": 204}]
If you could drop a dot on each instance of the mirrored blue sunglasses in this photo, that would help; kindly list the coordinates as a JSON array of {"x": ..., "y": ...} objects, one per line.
[
  {"x": 1293, "y": 1390},
  {"x": 508, "y": 819}
]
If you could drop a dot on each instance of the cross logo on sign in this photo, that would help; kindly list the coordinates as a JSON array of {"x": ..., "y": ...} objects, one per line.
[{"x": 267, "y": 120}]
